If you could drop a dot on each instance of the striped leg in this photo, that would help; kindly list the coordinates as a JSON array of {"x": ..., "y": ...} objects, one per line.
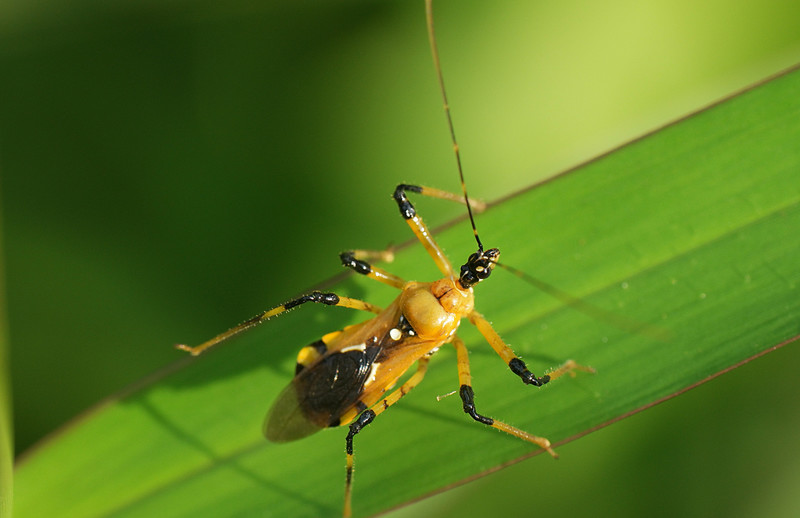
[
  {"x": 330, "y": 299},
  {"x": 419, "y": 228},
  {"x": 355, "y": 260},
  {"x": 468, "y": 398},
  {"x": 516, "y": 365},
  {"x": 367, "y": 417}
]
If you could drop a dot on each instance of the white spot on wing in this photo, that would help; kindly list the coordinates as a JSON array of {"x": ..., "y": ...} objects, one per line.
[
  {"x": 373, "y": 371},
  {"x": 395, "y": 334},
  {"x": 357, "y": 347}
]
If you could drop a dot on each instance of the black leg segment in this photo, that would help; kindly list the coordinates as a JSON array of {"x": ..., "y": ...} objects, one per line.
[
  {"x": 357, "y": 265},
  {"x": 406, "y": 209},
  {"x": 468, "y": 398},
  {"x": 356, "y": 426},
  {"x": 519, "y": 368}
]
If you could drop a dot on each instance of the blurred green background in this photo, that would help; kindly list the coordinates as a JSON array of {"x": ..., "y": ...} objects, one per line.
[{"x": 171, "y": 168}]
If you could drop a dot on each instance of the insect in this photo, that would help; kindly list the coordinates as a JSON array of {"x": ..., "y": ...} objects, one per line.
[{"x": 346, "y": 377}]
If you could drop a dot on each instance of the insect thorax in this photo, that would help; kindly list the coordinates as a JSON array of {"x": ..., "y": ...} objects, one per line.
[{"x": 435, "y": 309}]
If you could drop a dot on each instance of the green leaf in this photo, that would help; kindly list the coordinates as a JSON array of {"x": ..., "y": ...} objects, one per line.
[
  {"x": 689, "y": 233},
  {"x": 6, "y": 429}
]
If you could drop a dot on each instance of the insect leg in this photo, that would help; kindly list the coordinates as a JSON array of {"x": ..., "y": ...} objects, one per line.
[
  {"x": 330, "y": 299},
  {"x": 468, "y": 398},
  {"x": 354, "y": 259},
  {"x": 570, "y": 367},
  {"x": 419, "y": 228},
  {"x": 516, "y": 365},
  {"x": 433, "y": 192},
  {"x": 367, "y": 417}
]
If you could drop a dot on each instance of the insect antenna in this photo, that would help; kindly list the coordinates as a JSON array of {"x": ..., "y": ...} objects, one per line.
[{"x": 440, "y": 77}]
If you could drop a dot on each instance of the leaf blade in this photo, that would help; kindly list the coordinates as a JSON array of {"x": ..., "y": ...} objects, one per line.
[{"x": 706, "y": 250}]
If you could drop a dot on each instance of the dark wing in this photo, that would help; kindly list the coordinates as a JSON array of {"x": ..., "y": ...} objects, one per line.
[
  {"x": 319, "y": 395},
  {"x": 343, "y": 374}
]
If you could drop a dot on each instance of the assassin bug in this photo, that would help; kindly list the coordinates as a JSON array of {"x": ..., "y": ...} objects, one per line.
[{"x": 342, "y": 379}]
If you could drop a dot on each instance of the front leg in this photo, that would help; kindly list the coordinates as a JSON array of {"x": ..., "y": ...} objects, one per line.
[
  {"x": 514, "y": 363},
  {"x": 468, "y": 399}
]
